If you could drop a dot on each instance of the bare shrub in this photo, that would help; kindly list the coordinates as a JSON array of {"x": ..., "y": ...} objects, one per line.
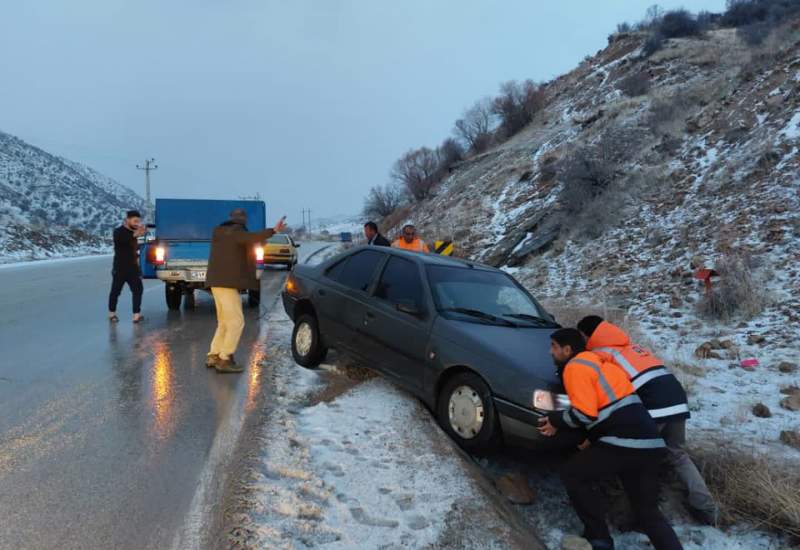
[
  {"x": 668, "y": 115},
  {"x": 751, "y": 486},
  {"x": 635, "y": 85},
  {"x": 417, "y": 171},
  {"x": 382, "y": 200},
  {"x": 672, "y": 24},
  {"x": 516, "y": 106},
  {"x": 450, "y": 152},
  {"x": 476, "y": 126},
  {"x": 739, "y": 292}
]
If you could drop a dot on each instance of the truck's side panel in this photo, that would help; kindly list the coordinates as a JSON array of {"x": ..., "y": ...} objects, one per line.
[{"x": 195, "y": 220}]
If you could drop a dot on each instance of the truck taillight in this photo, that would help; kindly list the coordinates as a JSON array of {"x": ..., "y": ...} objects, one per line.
[
  {"x": 160, "y": 256},
  {"x": 260, "y": 254}
]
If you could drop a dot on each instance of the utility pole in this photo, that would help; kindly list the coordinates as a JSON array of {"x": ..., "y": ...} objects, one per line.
[
  {"x": 306, "y": 226},
  {"x": 149, "y": 166}
]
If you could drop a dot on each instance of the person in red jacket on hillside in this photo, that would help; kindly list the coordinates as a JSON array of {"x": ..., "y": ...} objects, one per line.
[
  {"x": 664, "y": 398},
  {"x": 623, "y": 442}
]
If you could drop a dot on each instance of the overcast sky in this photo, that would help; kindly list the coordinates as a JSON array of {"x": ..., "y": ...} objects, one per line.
[{"x": 306, "y": 102}]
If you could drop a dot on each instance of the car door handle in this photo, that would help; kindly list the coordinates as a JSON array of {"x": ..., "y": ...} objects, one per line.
[{"x": 368, "y": 316}]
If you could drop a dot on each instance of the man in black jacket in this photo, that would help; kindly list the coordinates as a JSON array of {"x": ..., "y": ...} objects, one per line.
[
  {"x": 126, "y": 265},
  {"x": 373, "y": 236},
  {"x": 231, "y": 268}
]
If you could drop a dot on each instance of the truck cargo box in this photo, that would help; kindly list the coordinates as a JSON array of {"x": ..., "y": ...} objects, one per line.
[{"x": 195, "y": 219}]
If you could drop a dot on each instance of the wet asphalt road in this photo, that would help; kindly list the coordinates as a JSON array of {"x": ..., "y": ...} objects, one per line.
[{"x": 114, "y": 436}]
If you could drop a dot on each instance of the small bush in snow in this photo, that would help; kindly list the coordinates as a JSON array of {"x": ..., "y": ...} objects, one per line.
[
  {"x": 738, "y": 294},
  {"x": 516, "y": 106},
  {"x": 678, "y": 23},
  {"x": 635, "y": 84}
]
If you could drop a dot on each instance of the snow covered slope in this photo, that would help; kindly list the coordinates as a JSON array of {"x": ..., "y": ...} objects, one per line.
[
  {"x": 50, "y": 206},
  {"x": 704, "y": 166}
]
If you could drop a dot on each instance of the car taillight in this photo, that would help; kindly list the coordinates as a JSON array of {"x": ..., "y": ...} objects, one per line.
[
  {"x": 160, "y": 255},
  {"x": 260, "y": 254}
]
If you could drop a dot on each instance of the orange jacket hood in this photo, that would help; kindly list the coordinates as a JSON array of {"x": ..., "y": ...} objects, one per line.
[{"x": 608, "y": 335}]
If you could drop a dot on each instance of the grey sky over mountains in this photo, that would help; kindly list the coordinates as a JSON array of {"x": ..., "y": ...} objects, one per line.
[{"x": 306, "y": 102}]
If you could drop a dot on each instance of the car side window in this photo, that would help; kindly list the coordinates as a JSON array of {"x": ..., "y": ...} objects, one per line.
[
  {"x": 358, "y": 270},
  {"x": 400, "y": 283}
]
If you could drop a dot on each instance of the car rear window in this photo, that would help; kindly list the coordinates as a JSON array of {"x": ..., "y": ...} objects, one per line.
[
  {"x": 400, "y": 282},
  {"x": 358, "y": 270},
  {"x": 279, "y": 239}
]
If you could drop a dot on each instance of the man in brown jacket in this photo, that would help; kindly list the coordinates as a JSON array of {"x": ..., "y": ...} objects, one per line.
[{"x": 232, "y": 268}]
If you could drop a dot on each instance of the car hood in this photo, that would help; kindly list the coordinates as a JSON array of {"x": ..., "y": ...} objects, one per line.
[{"x": 524, "y": 349}]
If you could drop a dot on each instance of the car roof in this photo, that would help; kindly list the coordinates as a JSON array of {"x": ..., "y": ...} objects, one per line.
[{"x": 427, "y": 259}]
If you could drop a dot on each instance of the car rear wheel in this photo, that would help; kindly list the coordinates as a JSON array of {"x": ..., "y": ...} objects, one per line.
[
  {"x": 307, "y": 348},
  {"x": 466, "y": 412},
  {"x": 173, "y": 293}
]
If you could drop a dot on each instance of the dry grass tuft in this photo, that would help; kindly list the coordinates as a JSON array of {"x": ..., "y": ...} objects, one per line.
[
  {"x": 740, "y": 292},
  {"x": 752, "y": 486}
]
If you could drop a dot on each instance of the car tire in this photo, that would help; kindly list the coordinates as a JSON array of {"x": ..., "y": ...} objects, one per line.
[
  {"x": 173, "y": 294},
  {"x": 307, "y": 348},
  {"x": 466, "y": 411},
  {"x": 253, "y": 298}
]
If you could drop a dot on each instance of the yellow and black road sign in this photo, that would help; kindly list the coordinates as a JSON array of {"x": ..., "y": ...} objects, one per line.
[{"x": 443, "y": 248}]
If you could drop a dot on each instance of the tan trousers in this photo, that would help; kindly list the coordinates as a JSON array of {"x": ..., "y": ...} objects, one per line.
[{"x": 230, "y": 321}]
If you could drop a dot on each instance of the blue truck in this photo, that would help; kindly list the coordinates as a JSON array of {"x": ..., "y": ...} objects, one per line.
[{"x": 177, "y": 246}]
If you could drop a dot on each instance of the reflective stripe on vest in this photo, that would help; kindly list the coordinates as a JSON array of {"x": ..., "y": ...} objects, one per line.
[
  {"x": 621, "y": 361},
  {"x": 669, "y": 411},
  {"x": 603, "y": 382},
  {"x": 648, "y": 376},
  {"x": 607, "y": 411},
  {"x": 657, "y": 443}
]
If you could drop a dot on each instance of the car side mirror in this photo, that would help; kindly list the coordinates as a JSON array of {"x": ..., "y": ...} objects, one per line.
[{"x": 409, "y": 307}]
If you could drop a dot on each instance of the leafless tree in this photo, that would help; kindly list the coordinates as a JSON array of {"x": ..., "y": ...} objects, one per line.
[
  {"x": 516, "y": 105},
  {"x": 417, "y": 171},
  {"x": 476, "y": 126},
  {"x": 382, "y": 200},
  {"x": 450, "y": 152}
]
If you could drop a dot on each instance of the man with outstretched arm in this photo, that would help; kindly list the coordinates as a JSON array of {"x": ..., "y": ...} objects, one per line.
[
  {"x": 665, "y": 399},
  {"x": 623, "y": 442},
  {"x": 232, "y": 268},
  {"x": 126, "y": 265}
]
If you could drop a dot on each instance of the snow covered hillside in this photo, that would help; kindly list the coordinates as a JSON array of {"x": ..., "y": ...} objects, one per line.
[
  {"x": 695, "y": 154},
  {"x": 50, "y": 206}
]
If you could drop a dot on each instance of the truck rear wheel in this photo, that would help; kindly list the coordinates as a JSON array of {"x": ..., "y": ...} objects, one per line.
[{"x": 174, "y": 293}]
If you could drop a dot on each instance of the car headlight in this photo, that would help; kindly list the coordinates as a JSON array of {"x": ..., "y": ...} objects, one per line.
[{"x": 548, "y": 401}]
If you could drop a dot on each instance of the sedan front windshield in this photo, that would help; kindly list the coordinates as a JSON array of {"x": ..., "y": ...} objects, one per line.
[{"x": 484, "y": 294}]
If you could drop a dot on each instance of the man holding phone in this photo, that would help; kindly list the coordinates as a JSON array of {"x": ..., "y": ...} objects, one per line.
[
  {"x": 231, "y": 268},
  {"x": 126, "y": 265}
]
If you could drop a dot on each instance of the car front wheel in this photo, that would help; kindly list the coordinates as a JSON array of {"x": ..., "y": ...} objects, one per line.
[
  {"x": 466, "y": 412},
  {"x": 307, "y": 348}
]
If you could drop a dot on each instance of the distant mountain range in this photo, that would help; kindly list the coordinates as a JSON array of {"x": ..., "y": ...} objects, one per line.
[{"x": 51, "y": 206}]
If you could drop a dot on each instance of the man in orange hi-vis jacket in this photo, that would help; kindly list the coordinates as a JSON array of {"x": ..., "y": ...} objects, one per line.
[
  {"x": 623, "y": 441},
  {"x": 410, "y": 241},
  {"x": 664, "y": 398}
]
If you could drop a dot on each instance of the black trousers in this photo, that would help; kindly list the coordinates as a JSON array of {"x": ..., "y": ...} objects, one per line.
[
  {"x": 134, "y": 281},
  {"x": 638, "y": 470}
]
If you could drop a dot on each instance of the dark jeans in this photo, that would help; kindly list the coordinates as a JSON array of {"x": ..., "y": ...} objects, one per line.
[
  {"x": 638, "y": 470},
  {"x": 134, "y": 281}
]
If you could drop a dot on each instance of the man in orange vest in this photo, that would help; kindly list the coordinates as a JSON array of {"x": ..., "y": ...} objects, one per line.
[
  {"x": 410, "y": 241},
  {"x": 623, "y": 441},
  {"x": 664, "y": 398}
]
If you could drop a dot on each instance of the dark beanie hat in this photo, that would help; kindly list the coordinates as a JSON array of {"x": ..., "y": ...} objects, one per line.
[{"x": 588, "y": 324}]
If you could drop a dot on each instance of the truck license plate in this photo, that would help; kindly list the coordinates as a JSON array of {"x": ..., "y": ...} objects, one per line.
[{"x": 199, "y": 275}]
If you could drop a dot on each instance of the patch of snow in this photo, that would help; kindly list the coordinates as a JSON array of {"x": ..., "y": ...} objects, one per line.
[{"x": 792, "y": 128}]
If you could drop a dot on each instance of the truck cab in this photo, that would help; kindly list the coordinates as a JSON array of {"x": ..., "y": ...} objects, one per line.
[{"x": 178, "y": 245}]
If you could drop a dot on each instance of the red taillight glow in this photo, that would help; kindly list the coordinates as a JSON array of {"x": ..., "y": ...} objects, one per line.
[
  {"x": 260, "y": 254},
  {"x": 161, "y": 255}
]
